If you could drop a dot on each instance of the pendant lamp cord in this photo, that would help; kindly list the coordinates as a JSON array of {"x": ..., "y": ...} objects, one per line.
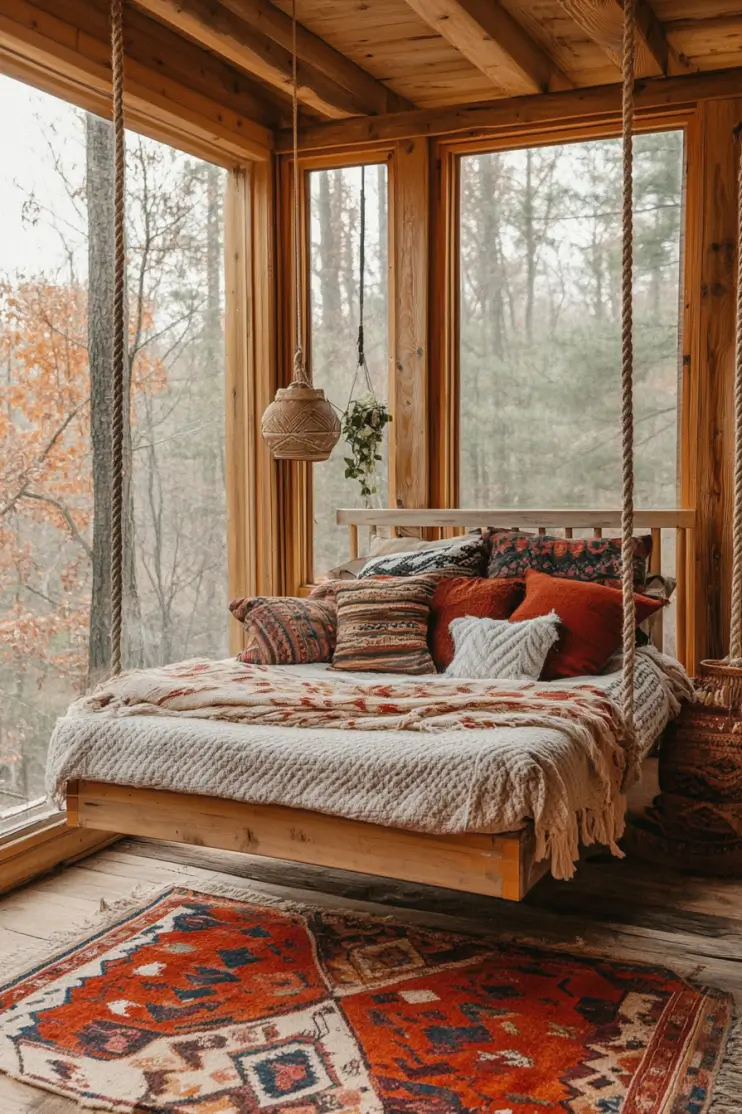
[
  {"x": 300, "y": 371},
  {"x": 627, "y": 369},
  {"x": 119, "y": 339},
  {"x": 735, "y": 629}
]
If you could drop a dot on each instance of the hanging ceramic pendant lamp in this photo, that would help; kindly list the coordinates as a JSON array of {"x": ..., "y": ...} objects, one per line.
[{"x": 300, "y": 423}]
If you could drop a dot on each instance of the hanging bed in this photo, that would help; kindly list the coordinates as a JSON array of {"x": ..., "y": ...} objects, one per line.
[
  {"x": 477, "y": 785},
  {"x": 485, "y": 809}
]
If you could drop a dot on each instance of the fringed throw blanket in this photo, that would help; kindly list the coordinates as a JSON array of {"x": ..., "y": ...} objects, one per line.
[{"x": 431, "y": 755}]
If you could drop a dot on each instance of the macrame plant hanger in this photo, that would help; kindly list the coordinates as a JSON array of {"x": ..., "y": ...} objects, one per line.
[
  {"x": 300, "y": 423},
  {"x": 361, "y": 364},
  {"x": 118, "y": 401}
]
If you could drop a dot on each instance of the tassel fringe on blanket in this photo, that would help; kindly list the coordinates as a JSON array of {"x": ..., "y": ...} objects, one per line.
[{"x": 416, "y": 754}]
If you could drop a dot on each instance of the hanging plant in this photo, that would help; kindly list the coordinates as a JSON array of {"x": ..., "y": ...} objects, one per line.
[
  {"x": 363, "y": 429},
  {"x": 365, "y": 418}
]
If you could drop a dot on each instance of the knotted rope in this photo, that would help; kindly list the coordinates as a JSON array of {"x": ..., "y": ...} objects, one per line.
[
  {"x": 735, "y": 629},
  {"x": 627, "y": 367},
  {"x": 119, "y": 339}
]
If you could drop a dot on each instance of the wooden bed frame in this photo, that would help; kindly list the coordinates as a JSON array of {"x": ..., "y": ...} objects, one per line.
[{"x": 497, "y": 865}]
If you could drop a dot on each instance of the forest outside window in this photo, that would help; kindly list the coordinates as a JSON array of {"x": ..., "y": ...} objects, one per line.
[
  {"x": 540, "y": 324},
  {"x": 55, "y": 351},
  {"x": 540, "y": 296},
  {"x": 334, "y": 216}
]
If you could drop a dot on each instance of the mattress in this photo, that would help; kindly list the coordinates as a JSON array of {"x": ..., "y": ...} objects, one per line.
[{"x": 475, "y": 780}]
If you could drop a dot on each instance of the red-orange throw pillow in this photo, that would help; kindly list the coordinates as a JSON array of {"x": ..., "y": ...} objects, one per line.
[
  {"x": 591, "y": 621},
  {"x": 459, "y": 596}
]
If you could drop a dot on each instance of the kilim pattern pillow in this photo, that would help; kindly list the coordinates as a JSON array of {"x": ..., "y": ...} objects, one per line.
[
  {"x": 497, "y": 648},
  {"x": 383, "y": 625},
  {"x": 282, "y": 630},
  {"x": 588, "y": 559},
  {"x": 457, "y": 557}
]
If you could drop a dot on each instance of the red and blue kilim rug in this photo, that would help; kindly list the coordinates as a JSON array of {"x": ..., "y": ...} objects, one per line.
[{"x": 199, "y": 1004}]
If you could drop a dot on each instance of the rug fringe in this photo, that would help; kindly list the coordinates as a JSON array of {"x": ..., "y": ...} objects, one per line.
[
  {"x": 46, "y": 951},
  {"x": 726, "y": 1097}
]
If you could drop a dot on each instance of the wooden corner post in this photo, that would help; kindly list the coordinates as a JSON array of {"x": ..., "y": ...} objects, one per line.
[
  {"x": 408, "y": 299},
  {"x": 707, "y": 438}
]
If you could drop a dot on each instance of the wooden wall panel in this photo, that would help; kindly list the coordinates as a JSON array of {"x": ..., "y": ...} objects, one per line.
[
  {"x": 250, "y": 340},
  {"x": 443, "y": 405},
  {"x": 409, "y": 224},
  {"x": 239, "y": 366},
  {"x": 251, "y": 379},
  {"x": 265, "y": 374},
  {"x": 708, "y": 388}
]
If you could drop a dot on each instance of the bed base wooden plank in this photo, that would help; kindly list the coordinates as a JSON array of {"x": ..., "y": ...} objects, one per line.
[{"x": 496, "y": 865}]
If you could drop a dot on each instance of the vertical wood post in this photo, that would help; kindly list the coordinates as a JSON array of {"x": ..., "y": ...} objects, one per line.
[
  {"x": 708, "y": 383},
  {"x": 409, "y": 320},
  {"x": 250, "y": 382}
]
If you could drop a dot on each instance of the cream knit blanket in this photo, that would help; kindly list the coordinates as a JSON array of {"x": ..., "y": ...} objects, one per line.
[{"x": 429, "y": 754}]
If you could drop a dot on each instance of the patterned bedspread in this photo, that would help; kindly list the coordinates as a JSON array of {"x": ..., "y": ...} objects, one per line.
[{"x": 431, "y": 755}]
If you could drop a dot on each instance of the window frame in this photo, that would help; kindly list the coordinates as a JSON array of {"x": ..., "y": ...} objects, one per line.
[
  {"x": 249, "y": 354},
  {"x": 296, "y": 490},
  {"x": 445, "y": 383}
]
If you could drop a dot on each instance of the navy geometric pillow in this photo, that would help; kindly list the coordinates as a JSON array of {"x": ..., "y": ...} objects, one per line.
[{"x": 457, "y": 557}]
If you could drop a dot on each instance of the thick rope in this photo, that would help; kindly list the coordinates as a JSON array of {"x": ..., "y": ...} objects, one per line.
[
  {"x": 735, "y": 630},
  {"x": 300, "y": 370},
  {"x": 119, "y": 339},
  {"x": 627, "y": 368}
]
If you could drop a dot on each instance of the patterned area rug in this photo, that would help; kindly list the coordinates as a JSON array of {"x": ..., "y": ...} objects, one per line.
[{"x": 201, "y": 1004}]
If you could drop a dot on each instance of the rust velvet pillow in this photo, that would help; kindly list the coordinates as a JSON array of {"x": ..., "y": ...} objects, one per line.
[
  {"x": 591, "y": 621},
  {"x": 462, "y": 596}
]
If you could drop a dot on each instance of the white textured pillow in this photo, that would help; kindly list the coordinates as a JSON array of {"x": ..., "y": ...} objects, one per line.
[{"x": 497, "y": 648}]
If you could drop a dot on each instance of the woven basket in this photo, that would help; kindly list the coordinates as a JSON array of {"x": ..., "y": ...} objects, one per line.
[
  {"x": 300, "y": 424},
  {"x": 700, "y": 774}
]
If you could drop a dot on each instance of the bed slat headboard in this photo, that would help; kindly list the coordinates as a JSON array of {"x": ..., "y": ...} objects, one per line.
[{"x": 673, "y": 633}]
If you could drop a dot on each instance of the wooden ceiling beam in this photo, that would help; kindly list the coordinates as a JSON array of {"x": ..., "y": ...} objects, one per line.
[
  {"x": 174, "y": 90},
  {"x": 493, "y": 41},
  {"x": 521, "y": 116},
  {"x": 269, "y": 20},
  {"x": 224, "y": 30},
  {"x": 602, "y": 21}
]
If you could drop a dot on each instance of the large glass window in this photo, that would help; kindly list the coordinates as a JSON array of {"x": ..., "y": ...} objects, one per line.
[
  {"x": 335, "y": 209},
  {"x": 55, "y": 349},
  {"x": 540, "y": 324}
]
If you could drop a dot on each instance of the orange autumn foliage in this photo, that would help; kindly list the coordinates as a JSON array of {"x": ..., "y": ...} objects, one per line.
[{"x": 46, "y": 495}]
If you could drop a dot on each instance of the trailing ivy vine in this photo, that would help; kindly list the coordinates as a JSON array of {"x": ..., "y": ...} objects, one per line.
[{"x": 363, "y": 429}]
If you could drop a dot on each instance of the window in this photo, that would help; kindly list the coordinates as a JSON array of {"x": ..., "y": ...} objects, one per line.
[
  {"x": 334, "y": 210},
  {"x": 55, "y": 345},
  {"x": 540, "y": 324}
]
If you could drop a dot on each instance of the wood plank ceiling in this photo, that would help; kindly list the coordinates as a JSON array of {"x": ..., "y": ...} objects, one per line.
[{"x": 372, "y": 57}]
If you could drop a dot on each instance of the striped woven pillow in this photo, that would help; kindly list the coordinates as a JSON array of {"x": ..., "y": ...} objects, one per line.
[
  {"x": 282, "y": 630},
  {"x": 383, "y": 625}
]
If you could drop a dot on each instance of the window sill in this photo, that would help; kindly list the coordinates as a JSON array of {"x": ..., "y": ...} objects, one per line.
[{"x": 49, "y": 843}]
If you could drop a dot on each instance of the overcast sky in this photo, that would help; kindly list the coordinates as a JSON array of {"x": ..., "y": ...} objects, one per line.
[{"x": 30, "y": 121}]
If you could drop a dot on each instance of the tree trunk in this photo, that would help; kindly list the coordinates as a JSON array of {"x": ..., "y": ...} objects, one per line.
[
  {"x": 99, "y": 201},
  {"x": 530, "y": 245}
]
